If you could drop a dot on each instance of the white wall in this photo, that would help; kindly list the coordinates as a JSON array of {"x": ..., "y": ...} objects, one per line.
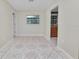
[
  {"x": 6, "y": 32},
  {"x": 68, "y": 23},
  {"x": 24, "y": 29}
]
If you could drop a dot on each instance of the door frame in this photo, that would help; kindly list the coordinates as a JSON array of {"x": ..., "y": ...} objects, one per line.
[{"x": 48, "y": 33}]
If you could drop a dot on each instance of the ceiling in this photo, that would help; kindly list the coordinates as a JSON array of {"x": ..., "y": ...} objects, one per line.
[{"x": 31, "y": 4}]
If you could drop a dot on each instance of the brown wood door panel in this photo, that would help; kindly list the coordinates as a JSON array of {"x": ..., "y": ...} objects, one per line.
[{"x": 53, "y": 31}]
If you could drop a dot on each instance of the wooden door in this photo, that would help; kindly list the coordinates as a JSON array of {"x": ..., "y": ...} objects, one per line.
[{"x": 54, "y": 31}]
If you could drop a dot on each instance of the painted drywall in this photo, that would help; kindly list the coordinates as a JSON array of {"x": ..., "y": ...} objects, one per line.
[
  {"x": 24, "y": 29},
  {"x": 23, "y": 5},
  {"x": 6, "y": 32},
  {"x": 68, "y": 26}
]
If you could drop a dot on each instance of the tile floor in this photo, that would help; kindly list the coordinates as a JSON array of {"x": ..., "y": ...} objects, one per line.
[{"x": 31, "y": 48}]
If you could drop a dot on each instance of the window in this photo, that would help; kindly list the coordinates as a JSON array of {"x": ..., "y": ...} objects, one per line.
[
  {"x": 33, "y": 19},
  {"x": 54, "y": 19}
]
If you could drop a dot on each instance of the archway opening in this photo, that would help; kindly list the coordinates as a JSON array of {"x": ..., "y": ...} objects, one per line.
[{"x": 54, "y": 25}]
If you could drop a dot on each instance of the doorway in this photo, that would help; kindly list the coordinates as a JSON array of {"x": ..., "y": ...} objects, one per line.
[{"x": 54, "y": 25}]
